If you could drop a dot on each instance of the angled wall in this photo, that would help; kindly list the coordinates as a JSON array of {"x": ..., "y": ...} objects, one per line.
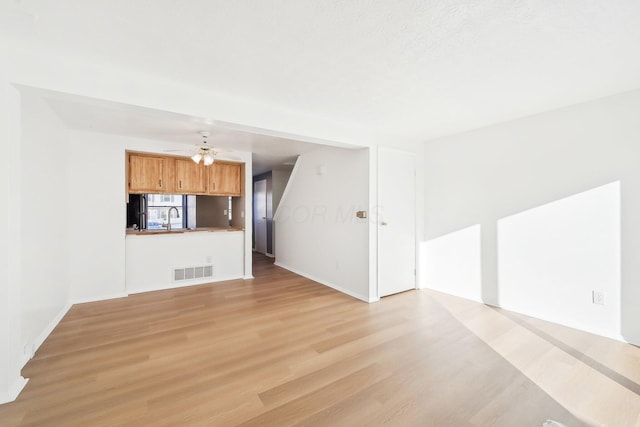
[{"x": 317, "y": 232}]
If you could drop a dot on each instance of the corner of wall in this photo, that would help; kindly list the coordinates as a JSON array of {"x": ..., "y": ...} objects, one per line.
[
  {"x": 317, "y": 230},
  {"x": 326, "y": 283},
  {"x": 40, "y": 339},
  {"x": 13, "y": 391}
]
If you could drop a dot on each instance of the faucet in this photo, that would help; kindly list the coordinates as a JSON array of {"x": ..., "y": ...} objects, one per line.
[{"x": 168, "y": 224}]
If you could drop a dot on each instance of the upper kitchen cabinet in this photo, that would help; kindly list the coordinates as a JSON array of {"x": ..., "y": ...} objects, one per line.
[
  {"x": 158, "y": 174},
  {"x": 149, "y": 174},
  {"x": 225, "y": 178},
  {"x": 190, "y": 177}
]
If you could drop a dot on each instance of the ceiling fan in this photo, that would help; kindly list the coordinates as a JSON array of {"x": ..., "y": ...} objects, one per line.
[{"x": 205, "y": 152}]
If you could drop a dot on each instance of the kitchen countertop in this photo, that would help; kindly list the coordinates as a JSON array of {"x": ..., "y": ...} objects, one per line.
[{"x": 182, "y": 231}]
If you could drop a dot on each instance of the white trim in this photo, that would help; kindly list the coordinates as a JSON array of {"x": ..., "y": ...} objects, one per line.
[
  {"x": 247, "y": 215},
  {"x": 615, "y": 336},
  {"x": 325, "y": 283},
  {"x": 373, "y": 225},
  {"x": 269, "y": 255},
  {"x": 14, "y": 391},
  {"x": 176, "y": 285},
  {"x": 248, "y": 278},
  {"x": 46, "y": 332},
  {"x": 569, "y": 324},
  {"x": 103, "y": 298}
]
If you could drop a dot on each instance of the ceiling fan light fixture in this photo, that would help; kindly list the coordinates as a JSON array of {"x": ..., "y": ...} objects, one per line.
[
  {"x": 208, "y": 159},
  {"x": 197, "y": 157}
]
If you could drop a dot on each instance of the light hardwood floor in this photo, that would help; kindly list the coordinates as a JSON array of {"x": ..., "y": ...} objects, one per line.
[{"x": 282, "y": 350}]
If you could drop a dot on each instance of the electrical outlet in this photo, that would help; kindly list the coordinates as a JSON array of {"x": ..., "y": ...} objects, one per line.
[
  {"x": 598, "y": 297},
  {"x": 208, "y": 259}
]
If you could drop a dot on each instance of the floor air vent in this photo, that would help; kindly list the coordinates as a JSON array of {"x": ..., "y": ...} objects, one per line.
[{"x": 190, "y": 273}]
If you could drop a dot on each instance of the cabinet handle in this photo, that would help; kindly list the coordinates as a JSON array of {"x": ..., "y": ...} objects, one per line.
[
  {"x": 159, "y": 183},
  {"x": 180, "y": 183}
]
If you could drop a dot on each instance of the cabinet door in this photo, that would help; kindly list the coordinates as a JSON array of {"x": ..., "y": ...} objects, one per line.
[
  {"x": 225, "y": 179},
  {"x": 147, "y": 174},
  {"x": 190, "y": 177},
  {"x": 231, "y": 179}
]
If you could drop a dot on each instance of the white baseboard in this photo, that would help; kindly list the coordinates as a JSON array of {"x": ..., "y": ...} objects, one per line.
[
  {"x": 270, "y": 255},
  {"x": 13, "y": 392},
  {"x": 102, "y": 298},
  {"x": 46, "y": 332},
  {"x": 176, "y": 285},
  {"x": 519, "y": 310},
  {"x": 564, "y": 322},
  {"x": 324, "y": 282},
  {"x": 29, "y": 351}
]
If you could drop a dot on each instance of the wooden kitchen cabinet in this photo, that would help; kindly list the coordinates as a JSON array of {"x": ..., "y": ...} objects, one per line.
[
  {"x": 225, "y": 178},
  {"x": 190, "y": 177},
  {"x": 157, "y": 174},
  {"x": 149, "y": 174}
]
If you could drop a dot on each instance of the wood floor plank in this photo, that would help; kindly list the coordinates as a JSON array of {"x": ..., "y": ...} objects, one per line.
[
  {"x": 308, "y": 404},
  {"x": 283, "y": 350}
]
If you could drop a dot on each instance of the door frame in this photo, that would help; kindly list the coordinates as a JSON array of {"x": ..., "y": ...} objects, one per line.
[
  {"x": 374, "y": 222},
  {"x": 255, "y": 217}
]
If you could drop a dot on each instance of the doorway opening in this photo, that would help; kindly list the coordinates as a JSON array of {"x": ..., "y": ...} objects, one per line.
[
  {"x": 268, "y": 189},
  {"x": 260, "y": 212}
]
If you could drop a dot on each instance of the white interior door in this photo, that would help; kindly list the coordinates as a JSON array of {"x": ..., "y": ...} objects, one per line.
[
  {"x": 396, "y": 221},
  {"x": 260, "y": 215}
]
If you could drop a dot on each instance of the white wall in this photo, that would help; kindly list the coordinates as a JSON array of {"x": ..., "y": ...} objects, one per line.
[
  {"x": 280, "y": 179},
  {"x": 151, "y": 259},
  {"x": 6, "y": 302},
  {"x": 97, "y": 234},
  {"x": 43, "y": 213},
  {"x": 534, "y": 214},
  {"x": 317, "y": 233},
  {"x": 11, "y": 352},
  {"x": 453, "y": 263},
  {"x": 551, "y": 259},
  {"x": 97, "y": 218}
]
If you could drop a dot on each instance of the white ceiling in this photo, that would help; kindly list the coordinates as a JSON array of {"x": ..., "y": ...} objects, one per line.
[
  {"x": 413, "y": 69},
  {"x": 88, "y": 114}
]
